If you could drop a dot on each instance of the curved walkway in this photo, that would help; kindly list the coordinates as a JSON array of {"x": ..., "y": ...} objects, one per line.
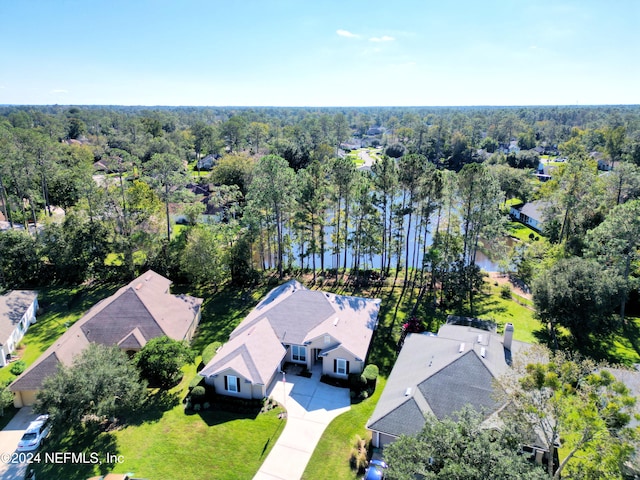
[{"x": 310, "y": 405}]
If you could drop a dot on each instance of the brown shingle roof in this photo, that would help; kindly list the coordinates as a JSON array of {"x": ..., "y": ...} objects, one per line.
[{"x": 136, "y": 313}]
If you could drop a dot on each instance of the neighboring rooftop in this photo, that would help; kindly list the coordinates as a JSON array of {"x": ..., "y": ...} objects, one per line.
[
  {"x": 13, "y": 306},
  {"x": 142, "y": 310},
  {"x": 441, "y": 374}
]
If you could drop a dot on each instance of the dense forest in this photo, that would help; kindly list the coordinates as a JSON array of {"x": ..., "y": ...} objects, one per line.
[{"x": 211, "y": 195}]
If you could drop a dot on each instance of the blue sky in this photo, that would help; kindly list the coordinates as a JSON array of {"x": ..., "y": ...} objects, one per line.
[{"x": 320, "y": 53}]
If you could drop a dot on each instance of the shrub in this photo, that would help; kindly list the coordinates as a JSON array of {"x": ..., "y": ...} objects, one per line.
[
  {"x": 18, "y": 367},
  {"x": 198, "y": 393},
  {"x": 358, "y": 459},
  {"x": 371, "y": 372},
  {"x": 160, "y": 361},
  {"x": 210, "y": 351},
  {"x": 356, "y": 381},
  {"x": 505, "y": 291}
]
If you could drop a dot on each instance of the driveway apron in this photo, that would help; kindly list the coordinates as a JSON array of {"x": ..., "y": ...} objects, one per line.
[
  {"x": 310, "y": 405},
  {"x": 9, "y": 438}
]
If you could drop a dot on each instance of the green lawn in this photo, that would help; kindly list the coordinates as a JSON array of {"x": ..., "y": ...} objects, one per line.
[
  {"x": 522, "y": 232},
  {"x": 491, "y": 306},
  {"x": 164, "y": 442},
  {"x": 61, "y": 308},
  {"x": 208, "y": 444}
]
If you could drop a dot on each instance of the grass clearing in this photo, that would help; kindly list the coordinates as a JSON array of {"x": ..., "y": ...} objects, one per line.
[{"x": 523, "y": 232}]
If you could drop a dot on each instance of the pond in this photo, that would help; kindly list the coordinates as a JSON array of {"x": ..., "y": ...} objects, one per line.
[{"x": 484, "y": 261}]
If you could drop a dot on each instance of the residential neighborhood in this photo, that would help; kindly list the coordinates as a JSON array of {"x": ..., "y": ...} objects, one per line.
[{"x": 303, "y": 240}]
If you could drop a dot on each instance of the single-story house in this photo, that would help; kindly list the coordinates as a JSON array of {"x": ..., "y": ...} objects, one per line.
[
  {"x": 440, "y": 374},
  {"x": 136, "y": 313},
  {"x": 297, "y": 325},
  {"x": 531, "y": 214},
  {"x": 18, "y": 310}
]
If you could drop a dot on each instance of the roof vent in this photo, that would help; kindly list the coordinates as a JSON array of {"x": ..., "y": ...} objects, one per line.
[
  {"x": 483, "y": 352},
  {"x": 480, "y": 338},
  {"x": 461, "y": 349},
  {"x": 335, "y": 322},
  {"x": 139, "y": 286},
  {"x": 407, "y": 392}
]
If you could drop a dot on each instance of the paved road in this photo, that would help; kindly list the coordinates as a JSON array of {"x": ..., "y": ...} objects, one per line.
[
  {"x": 368, "y": 159},
  {"x": 9, "y": 438},
  {"x": 310, "y": 406}
]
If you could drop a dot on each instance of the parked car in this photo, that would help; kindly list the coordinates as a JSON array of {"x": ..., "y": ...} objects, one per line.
[
  {"x": 376, "y": 470},
  {"x": 36, "y": 432}
]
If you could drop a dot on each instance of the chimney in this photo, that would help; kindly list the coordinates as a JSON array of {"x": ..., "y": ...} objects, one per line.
[{"x": 508, "y": 336}]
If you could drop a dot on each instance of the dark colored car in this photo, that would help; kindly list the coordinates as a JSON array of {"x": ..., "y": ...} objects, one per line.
[{"x": 375, "y": 470}]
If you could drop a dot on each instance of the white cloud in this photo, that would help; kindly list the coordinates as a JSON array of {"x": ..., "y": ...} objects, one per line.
[
  {"x": 384, "y": 38},
  {"x": 346, "y": 33}
]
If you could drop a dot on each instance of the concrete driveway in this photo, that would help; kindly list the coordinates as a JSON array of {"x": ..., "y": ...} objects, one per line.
[
  {"x": 310, "y": 406},
  {"x": 9, "y": 438}
]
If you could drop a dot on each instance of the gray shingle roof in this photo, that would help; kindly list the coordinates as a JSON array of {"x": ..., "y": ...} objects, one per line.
[
  {"x": 442, "y": 378},
  {"x": 13, "y": 306},
  {"x": 44, "y": 368},
  {"x": 255, "y": 353},
  {"x": 406, "y": 419},
  {"x": 295, "y": 315},
  {"x": 465, "y": 381},
  {"x": 123, "y": 313}
]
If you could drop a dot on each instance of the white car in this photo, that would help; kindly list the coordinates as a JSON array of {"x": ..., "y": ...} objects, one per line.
[{"x": 36, "y": 432}]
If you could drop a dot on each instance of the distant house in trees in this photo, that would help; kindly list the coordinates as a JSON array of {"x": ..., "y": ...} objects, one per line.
[
  {"x": 603, "y": 162},
  {"x": 531, "y": 214},
  {"x": 376, "y": 130},
  {"x": 18, "y": 310},
  {"x": 142, "y": 310},
  {"x": 208, "y": 162},
  {"x": 297, "y": 325},
  {"x": 440, "y": 374}
]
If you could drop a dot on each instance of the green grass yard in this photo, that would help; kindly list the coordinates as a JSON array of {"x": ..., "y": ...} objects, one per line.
[
  {"x": 164, "y": 442},
  {"x": 522, "y": 232}
]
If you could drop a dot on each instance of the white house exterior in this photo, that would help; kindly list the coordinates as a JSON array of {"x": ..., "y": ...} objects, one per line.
[
  {"x": 17, "y": 313},
  {"x": 531, "y": 214}
]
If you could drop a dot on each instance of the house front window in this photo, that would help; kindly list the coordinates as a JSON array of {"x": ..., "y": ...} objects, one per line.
[
  {"x": 232, "y": 383},
  {"x": 298, "y": 353},
  {"x": 341, "y": 366}
]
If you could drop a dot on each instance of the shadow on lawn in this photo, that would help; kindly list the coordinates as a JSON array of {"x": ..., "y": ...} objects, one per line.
[
  {"x": 275, "y": 434},
  {"x": 217, "y": 415},
  {"x": 76, "y": 453},
  {"x": 158, "y": 402}
]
